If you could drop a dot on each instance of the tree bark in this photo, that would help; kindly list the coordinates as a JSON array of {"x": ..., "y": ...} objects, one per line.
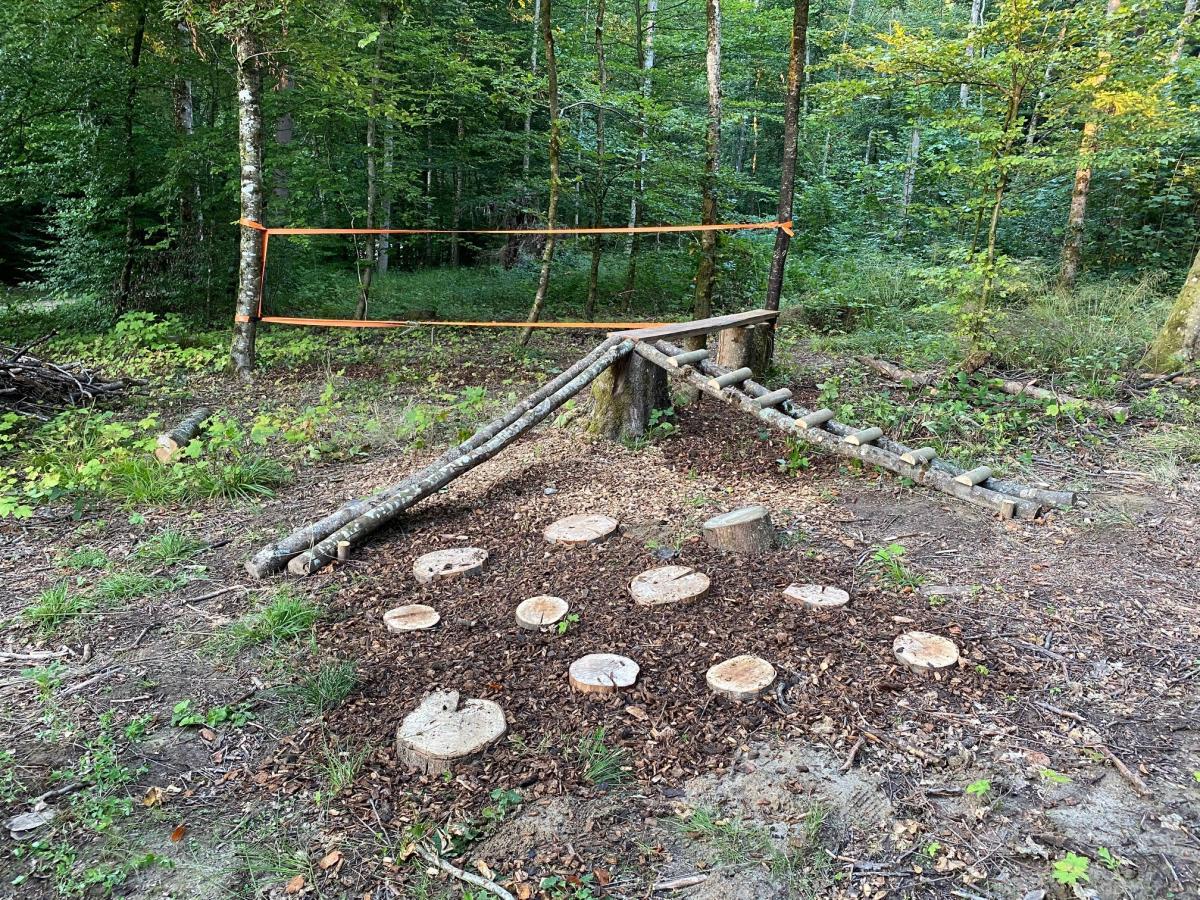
[
  {"x": 125, "y": 283},
  {"x": 599, "y": 188},
  {"x": 625, "y": 398},
  {"x": 383, "y": 246},
  {"x": 543, "y": 286},
  {"x": 250, "y": 154},
  {"x": 1180, "y": 334},
  {"x": 787, "y": 178},
  {"x": 366, "y": 271},
  {"x": 1189, "y": 15},
  {"x": 706, "y": 272},
  {"x": 645, "y": 61},
  {"x": 910, "y": 178},
  {"x": 460, "y": 133},
  {"x": 964, "y": 89},
  {"x": 533, "y": 70}
]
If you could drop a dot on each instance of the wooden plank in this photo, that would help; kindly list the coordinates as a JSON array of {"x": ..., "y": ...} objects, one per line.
[{"x": 699, "y": 326}]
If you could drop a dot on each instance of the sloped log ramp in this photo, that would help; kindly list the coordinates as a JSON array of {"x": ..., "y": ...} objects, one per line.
[{"x": 1004, "y": 505}]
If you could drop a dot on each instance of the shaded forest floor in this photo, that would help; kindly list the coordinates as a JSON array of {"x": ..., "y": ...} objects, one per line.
[{"x": 200, "y": 734}]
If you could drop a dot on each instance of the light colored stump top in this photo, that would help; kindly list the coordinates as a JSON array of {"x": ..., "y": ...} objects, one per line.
[
  {"x": 576, "y": 531},
  {"x": 414, "y": 617},
  {"x": 668, "y": 584},
  {"x": 541, "y": 611},
  {"x": 602, "y": 673},
  {"x": 817, "y": 596},
  {"x": 741, "y": 678},
  {"x": 923, "y": 651},
  {"x": 445, "y": 727},
  {"x": 449, "y": 563},
  {"x": 737, "y": 517}
]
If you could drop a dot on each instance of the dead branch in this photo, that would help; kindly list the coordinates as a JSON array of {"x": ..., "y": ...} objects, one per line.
[{"x": 469, "y": 877}]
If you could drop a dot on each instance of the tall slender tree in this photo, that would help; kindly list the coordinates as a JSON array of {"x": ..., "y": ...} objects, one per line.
[
  {"x": 599, "y": 189},
  {"x": 125, "y": 284},
  {"x": 250, "y": 155},
  {"x": 707, "y": 270}
]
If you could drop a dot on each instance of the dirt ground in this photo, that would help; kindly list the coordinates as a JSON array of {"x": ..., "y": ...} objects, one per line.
[{"x": 1069, "y": 727}]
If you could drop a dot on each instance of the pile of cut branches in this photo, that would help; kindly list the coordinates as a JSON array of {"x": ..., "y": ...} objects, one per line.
[{"x": 37, "y": 388}]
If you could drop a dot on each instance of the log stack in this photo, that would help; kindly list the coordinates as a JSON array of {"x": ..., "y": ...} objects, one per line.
[{"x": 37, "y": 388}]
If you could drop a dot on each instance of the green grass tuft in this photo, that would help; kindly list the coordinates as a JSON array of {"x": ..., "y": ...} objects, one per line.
[
  {"x": 603, "y": 766},
  {"x": 286, "y": 617},
  {"x": 124, "y": 586},
  {"x": 326, "y": 688},
  {"x": 169, "y": 547},
  {"x": 55, "y": 607}
]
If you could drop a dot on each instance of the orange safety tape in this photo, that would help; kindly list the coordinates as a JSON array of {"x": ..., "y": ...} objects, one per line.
[
  {"x": 640, "y": 229},
  {"x": 396, "y": 323}
]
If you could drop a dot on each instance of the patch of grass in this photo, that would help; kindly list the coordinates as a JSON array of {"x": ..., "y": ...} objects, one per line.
[
  {"x": 285, "y": 617},
  {"x": 11, "y": 787},
  {"x": 339, "y": 767},
  {"x": 249, "y": 478},
  {"x": 603, "y": 766},
  {"x": 169, "y": 547},
  {"x": 122, "y": 587},
  {"x": 86, "y": 558},
  {"x": 267, "y": 864},
  {"x": 55, "y": 607},
  {"x": 325, "y": 688},
  {"x": 888, "y": 563}
]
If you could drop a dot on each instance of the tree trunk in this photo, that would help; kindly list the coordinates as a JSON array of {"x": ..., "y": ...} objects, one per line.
[
  {"x": 384, "y": 245},
  {"x": 599, "y": 189},
  {"x": 787, "y": 178},
  {"x": 543, "y": 286},
  {"x": 1189, "y": 14},
  {"x": 1180, "y": 334},
  {"x": 964, "y": 89},
  {"x": 625, "y": 397},
  {"x": 191, "y": 215},
  {"x": 533, "y": 70},
  {"x": 910, "y": 179},
  {"x": 706, "y": 273},
  {"x": 125, "y": 285},
  {"x": 645, "y": 60},
  {"x": 366, "y": 270},
  {"x": 460, "y": 134},
  {"x": 250, "y": 154}
]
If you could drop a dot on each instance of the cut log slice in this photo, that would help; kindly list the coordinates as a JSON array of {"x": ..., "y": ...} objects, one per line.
[
  {"x": 444, "y": 728},
  {"x": 741, "y": 678},
  {"x": 745, "y": 530},
  {"x": 414, "y": 617},
  {"x": 817, "y": 596},
  {"x": 923, "y": 652},
  {"x": 602, "y": 673},
  {"x": 451, "y": 563},
  {"x": 538, "y": 612},
  {"x": 576, "y": 531},
  {"x": 668, "y": 584}
]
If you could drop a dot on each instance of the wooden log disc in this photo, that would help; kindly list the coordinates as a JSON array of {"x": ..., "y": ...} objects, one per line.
[
  {"x": 817, "y": 596},
  {"x": 923, "y": 652},
  {"x": 414, "y": 617},
  {"x": 668, "y": 584},
  {"x": 741, "y": 678},
  {"x": 444, "y": 728},
  {"x": 450, "y": 563},
  {"x": 538, "y": 612},
  {"x": 745, "y": 530},
  {"x": 602, "y": 673},
  {"x": 576, "y": 531}
]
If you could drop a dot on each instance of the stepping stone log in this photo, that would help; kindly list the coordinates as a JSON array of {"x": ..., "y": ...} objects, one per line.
[
  {"x": 741, "y": 678},
  {"x": 668, "y": 584},
  {"x": 444, "y": 728},
  {"x": 414, "y": 617},
  {"x": 580, "y": 530},
  {"x": 444, "y": 564},
  {"x": 925, "y": 652},
  {"x": 817, "y": 596},
  {"x": 602, "y": 673},
  {"x": 539, "y": 612},
  {"x": 745, "y": 530}
]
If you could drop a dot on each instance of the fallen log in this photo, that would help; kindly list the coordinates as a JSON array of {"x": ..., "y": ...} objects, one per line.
[
  {"x": 435, "y": 477},
  {"x": 272, "y": 558},
  {"x": 1003, "y": 505},
  {"x": 824, "y": 419},
  {"x": 169, "y": 443}
]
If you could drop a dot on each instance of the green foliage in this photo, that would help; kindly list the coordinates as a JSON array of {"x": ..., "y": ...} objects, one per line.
[
  {"x": 339, "y": 767},
  {"x": 122, "y": 587},
  {"x": 169, "y": 547},
  {"x": 1071, "y": 869},
  {"x": 326, "y": 688},
  {"x": 889, "y": 563},
  {"x": 979, "y": 788},
  {"x": 603, "y": 766},
  {"x": 55, "y": 607},
  {"x": 569, "y": 621},
  {"x": 183, "y": 715},
  {"x": 86, "y": 558},
  {"x": 1111, "y": 861},
  {"x": 1055, "y": 777},
  {"x": 285, "y": 617}
]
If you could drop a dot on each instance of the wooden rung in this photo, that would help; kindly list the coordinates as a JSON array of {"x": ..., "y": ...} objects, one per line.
[
  {"x": 773, "y": 399},
  {"x": 737, "y": 376},
  {"x": 687, "y": 358},
  {"x": 922, "y": 457},
  {"x": 866, "y": 436},
  {"x": 975, "y": 476},
  {"x": 815, "y": 419}
]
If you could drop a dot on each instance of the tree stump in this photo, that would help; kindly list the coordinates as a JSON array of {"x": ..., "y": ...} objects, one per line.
[
  {"x": 576, "y": 531},
  {"x": 625, "y": 396},
  {"x": 924, "y": 652},
  {"x": 745, "y": 530},
  {"x": 602, "y": 673},
  {"x": 539, "y": 612},
  {"x": 817, "y": 596},
  {"x": 414, "y": 617},
  {"x": 444, "y": 564},
  {"x": 444, "y": 728},
  {"x": 741, "y": 678},
  {"x": 668, "y": 584}
]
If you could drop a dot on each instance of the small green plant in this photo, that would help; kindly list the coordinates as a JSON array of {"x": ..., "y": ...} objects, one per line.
[
  {"x": 138, "y": 727},
  {"x": 983, "y": 670},
  {"x": 286, "y": 617},
  {"x": 567, "y": 623},
  {"x": 86, "y": 558},
  {"x": 889, "y": 563},
  {"x": 339, "y": 767},
  {"x": 121, "y": 587},
  {"x": 932, "y": 849},
  {"x": 47, "y": 678},
  {"x": 796, "y": 460},
  {"x": 55, "y": 607},
  {"x": 603, "y": 766},
  {"x": 325, "y": 688},
  {"x": 169, "y": 547},
  {"x": 557, "y": 887},
  {"x": 1072, "y": 869},
  {"x": 183, "y": 715},
  {"x": 503, "y": 802},
  {"x": 1055, "y": 777},
  {"x": 1111, "y": 861},
  {"x": 979, "y": 788}
]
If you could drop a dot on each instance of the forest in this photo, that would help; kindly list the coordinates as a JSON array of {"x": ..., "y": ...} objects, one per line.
[{"x": 867, "y": 333}]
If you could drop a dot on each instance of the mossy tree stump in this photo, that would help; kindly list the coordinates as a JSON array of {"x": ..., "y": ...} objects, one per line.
[{"x": 625, "y": 396}]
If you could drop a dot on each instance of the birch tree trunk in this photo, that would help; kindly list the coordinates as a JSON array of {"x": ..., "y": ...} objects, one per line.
[
  {"x": 910, "y": 178},
  {"x": 964, "y": 90},
  {"x": 460, "y": 133},
  {"x": 645, "y": 60},
  {"x": 366, "y": 271},
  {"x": 384, "y": 245},
  {"x": 706, "y": 272},
  {"x": 250, "y": 155},
  {"x": 1180, "y": 334},
  {"x": 124, "y": 285},
  {"x": 787, "y": 179},
  {"x": 600, "y": 189},
  {"x": 543, "y": 286}
]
